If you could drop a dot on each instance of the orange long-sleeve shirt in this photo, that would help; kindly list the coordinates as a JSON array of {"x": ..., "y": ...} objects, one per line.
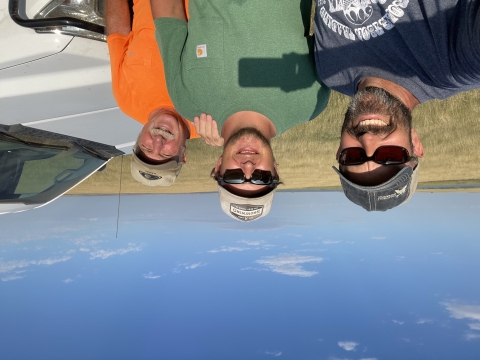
[{"x": 138, "y": 78}]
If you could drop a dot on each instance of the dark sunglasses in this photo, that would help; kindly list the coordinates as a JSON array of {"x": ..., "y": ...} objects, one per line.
[
  {"x": 237, "y": 176},
  {"x": 384, "y": 155}
]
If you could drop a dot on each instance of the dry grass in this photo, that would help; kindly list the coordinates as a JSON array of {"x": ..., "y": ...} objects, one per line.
[{"x": 449, "y": 131}]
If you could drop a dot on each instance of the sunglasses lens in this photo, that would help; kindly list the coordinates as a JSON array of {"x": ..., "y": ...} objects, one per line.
[
  {"x": 391, "y": 155},
  {"x": 261, "y": 177},
  {"x": 234, "y": 176},
  {"x": 352, "y": 156}
]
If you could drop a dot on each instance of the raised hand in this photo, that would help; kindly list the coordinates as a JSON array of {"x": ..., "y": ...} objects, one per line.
[{"x": 207, "y": 128}]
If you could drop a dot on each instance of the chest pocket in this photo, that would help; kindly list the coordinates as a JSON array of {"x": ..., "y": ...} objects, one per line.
[
  {"x": 140, "y": 50},
  {"x": 204, "y": 46}
]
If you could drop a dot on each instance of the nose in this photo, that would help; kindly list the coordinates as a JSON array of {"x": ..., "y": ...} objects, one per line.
[
  {"x": 159, "y": 140},
  {"x": 369, "y": 142},
  {"x": 248, "y": 168}
]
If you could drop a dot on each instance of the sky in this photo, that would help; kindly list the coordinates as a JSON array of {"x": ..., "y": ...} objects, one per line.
[{"x": 317, "y": 278}]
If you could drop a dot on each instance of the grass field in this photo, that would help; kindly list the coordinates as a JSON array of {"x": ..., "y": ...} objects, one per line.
[{"x": 449, "y": 130}]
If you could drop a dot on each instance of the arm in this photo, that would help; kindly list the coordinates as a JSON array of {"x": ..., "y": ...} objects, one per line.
[
  {"x": 168, "y": 8},
  {"x": 117, "y": 17}
]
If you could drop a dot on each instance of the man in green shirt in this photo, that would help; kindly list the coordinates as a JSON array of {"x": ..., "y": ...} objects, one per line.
[{"x": 250, "y": 66}]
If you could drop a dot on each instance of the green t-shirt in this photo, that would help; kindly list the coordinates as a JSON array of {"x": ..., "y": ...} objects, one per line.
[{"x": 242, "y": 55}]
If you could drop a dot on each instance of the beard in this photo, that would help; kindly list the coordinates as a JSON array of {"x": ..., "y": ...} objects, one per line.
[
  {"x": 247, "y": 131},
  {"x": 373, "y": 100}
]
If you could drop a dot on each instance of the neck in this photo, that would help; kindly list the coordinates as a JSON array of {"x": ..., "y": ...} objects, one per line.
[
  {"x": 244, "y": 119},
  {"x": 405, "y": 96}
]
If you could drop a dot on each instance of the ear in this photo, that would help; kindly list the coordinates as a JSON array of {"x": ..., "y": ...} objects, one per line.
[
  {"x": 276, "y": 168},
  {"x": 217, "y": 166},
  {"x": 417, "y": 145},
  {"x": 184, "y": 157},
  {"x": 338, "y": 153}
]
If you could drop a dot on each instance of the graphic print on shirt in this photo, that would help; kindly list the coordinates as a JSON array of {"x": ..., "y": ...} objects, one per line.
[{"x": 357, "y": 19}]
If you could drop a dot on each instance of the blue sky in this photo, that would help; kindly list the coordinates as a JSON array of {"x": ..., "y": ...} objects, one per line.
[{"x": 317, "y": 278}]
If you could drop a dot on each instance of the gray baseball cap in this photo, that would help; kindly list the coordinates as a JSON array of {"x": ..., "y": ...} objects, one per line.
[
  {"x": 396, "y": 191},
  {"x": 243, "y": 208}
]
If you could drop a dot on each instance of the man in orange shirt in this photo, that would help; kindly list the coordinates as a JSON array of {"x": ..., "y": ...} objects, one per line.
[{"x": 139, "y": 87}]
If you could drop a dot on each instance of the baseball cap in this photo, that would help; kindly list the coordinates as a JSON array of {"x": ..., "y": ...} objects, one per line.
[
  {"x": 396, "y": 191},
  {"x": 242, "y": 208},
  {"x": 154, "y": 175}
]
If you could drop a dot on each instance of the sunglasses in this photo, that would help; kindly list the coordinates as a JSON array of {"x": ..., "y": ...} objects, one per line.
[
  {"x": 384, "y": 155},
  {"x": 237, "y": 176}
]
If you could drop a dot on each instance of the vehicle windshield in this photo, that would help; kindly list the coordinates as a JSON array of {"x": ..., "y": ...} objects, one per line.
[{"x": 31, "y": 174}]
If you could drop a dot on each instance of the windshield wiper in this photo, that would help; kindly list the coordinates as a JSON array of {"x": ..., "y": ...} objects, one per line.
[
  {"x": 10, "y": 138},
  {"x": 92, "y": 152}
]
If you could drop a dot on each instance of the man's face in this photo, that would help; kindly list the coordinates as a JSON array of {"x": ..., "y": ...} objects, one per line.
[
  {"x": 248, "y": 150},
  {"x": 162, "y": 137},
  {"x": 375, "y": 118}
]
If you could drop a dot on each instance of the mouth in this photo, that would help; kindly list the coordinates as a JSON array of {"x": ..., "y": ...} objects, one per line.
[
  {"x": 162, "y": 131},
  {"x": 247, "y": 151},
  {"x": 371, "y": 120}
]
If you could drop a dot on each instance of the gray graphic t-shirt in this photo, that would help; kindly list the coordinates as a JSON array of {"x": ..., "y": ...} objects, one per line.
[{"x": 432, "y": 48}]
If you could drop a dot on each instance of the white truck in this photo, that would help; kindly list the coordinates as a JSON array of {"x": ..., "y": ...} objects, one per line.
[{"x": 59, "y": 122}]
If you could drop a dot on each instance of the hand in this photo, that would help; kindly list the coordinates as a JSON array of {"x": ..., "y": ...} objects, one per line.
[{"x": 207, "y": 128}]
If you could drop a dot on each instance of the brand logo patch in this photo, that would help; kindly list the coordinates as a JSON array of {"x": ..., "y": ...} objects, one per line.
[
  {"x": 201, "y": 51},
  {"x": 246, "y": 212},
  {"x": 149, "y": 176}
]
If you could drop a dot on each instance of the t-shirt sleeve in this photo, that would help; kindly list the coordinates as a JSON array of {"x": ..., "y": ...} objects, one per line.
[
  {"x": 171, "y": 34},
  {"x": 466, "y": 44}
]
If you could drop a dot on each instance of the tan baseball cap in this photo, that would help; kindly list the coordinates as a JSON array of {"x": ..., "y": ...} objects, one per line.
[
  {"x": 154, "y": 175},
  {"x": 242, "y": 208}
]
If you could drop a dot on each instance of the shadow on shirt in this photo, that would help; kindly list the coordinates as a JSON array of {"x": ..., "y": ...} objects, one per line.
[{"x": 290, "y": 72}]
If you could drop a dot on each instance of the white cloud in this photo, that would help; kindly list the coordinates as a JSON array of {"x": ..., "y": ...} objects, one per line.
[
  {"x": 12, "y": 277},
  {"x": 400, "y": 258},
  {"x": 474, "y": 326},
  {"x": 458, "y": 311},
  {"x": 194, "y": 266},
  {"x": 251, "y": 243},
  {"x": 103, "y": 254},
  {"x": 424, "y": 321},
  {"x": 228, "y": 249},
  {"x": 378, "y": 237},
  {"x": 472, "y": 336},
  {"x": 274, "y": 353},
  {"x": 398, "y": 322},
  {"x": 150, "y": 275},
  {"x": 368, "y": 359},
  {"x": 437, "y": 253},
  {"x": 465, "y": 311},
  {"x": 289, "y": 264},
  {"x": 51, "y": 261},
  {"x": 6, "y": 266},
  {"x": 19, "y": 264},
  {"x": 331, "y": 241},
  {"x": 84, "y": 249},
  {"x": 348, "y": 345},
  {"x": 66, "y": 281}
]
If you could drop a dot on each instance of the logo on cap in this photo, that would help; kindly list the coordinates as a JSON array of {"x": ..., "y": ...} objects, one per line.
[
  {"x": 246, "y": 212},
  {"x": 149, "y": 176},
  {"x": 396, "y": 195}
]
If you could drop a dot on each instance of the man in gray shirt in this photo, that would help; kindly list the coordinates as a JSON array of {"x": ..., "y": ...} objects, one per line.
[{"x": 392, "y": 55}]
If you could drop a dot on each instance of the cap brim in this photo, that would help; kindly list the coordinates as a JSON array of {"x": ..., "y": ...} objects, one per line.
[{"x": 243, "y": 208}]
